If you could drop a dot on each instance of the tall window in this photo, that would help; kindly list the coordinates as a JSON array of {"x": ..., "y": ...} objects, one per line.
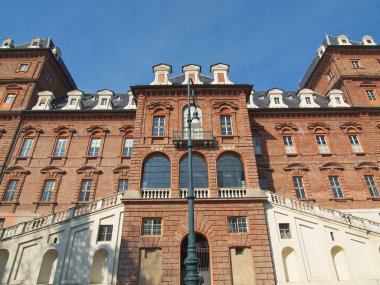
[
  {"x": 196, "y": 132},
  {"x": 371, "y": 95},
  {"x": 257, "y": 144},
  {"x": 156, "y": 172},
  {"x": 26, "y": 147},
  {"x": 127, "y": 149},
  {"x": 299, "y": 187},
  {"x": 200, "y": 173},
  {"x": 237, "y": 225},
  {"x": 11, "y": 190},
  {"x": 289, "y": 145},
  {"x": 60, "y": 147},
  {"x": 285, "y": 232},
  {"x": 372, "y": 187},
  {"x": 48, "y": 190},
  {"x": 158, "y": 126},
  {"x": 230, "y": 171},
  {"x": 151, "y": 227},
  {"x": 322, "y": 144},
  {"x": 85, "y": 190},
  {"x": 122, "y": 185},
  {"x": 355, "y": 63},
  {"x": 355, "y": 144},
  {"x": 226, "y": 125},
  {"x": 93, "y": 150},
  {"x": 335, "y": 186}
]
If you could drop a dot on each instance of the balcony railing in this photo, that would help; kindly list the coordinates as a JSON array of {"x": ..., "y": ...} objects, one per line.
[
  {"x": 198, "y": 192},
  {"x": 198, "y": 138},
  {"x": 153, "y": 193},
  {"x": 59, "y": 217},
  {"x": 232, "y": 192}
]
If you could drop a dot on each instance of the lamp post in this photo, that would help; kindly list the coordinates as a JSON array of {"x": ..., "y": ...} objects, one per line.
[{"x": 191, "y": 260}]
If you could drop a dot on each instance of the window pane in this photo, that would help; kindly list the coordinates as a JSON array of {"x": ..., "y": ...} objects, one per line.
[
  {"x": 230, "y": 171},
  {"x": 48, "y": 190},
  {"x": 372, "y": 187},
  {"x": 60, "y": 147},
  {"x": 335, "y": 186},
  {"x": 122, "y": 185},
  {"x": 257, "y": 145},
  {"x": 298, "y": 185},
  {"x": 26, "y": 147},
  {"x": 288, "y": 143},
  {"x": 11, "y": 190},
  {"x": 285, "y": 231},
  {"x": 237, "y": 225},
  {"x": 85, "y": 190},
  {"x": 94, "y": 147},
  {"x": 263, "y": 183},
  {"x": 156, "y": 172},
  {"x": 355, "y": 144},
  {"x": 105, "y": 233},
  {"x": 158, "y": 126},
  {"x": 127, "y": 149},
  {"x": 226, "y": 125},
  {"x": 200, "y": 172},
  {"x": 151, "y": 227},
  {"x": 322, "y": 144}
]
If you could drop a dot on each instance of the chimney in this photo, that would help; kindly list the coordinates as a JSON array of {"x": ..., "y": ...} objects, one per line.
[
  {"x": 192, "y": 72},
  {"x": 220, "y": 73},
  {"x": 161, "y": 74}
]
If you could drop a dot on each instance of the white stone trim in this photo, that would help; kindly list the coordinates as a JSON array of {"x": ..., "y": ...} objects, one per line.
[
  {"x": 368, "y": 41},
  {"x": 7, "y": 43},
  {"x": 35, "y": 43},
  {"x": 343, "y": 40},
  {"x": 46, "y": 96},
  {"x": 131, "y": 102},
  {"x": 161, "y": 69},
  {"x": 74, "y": 95},
  {"x": 191, "y": 69},
  {"x": 304, "y": 95},
  {"x": 276, "y": 95},
  {"x": 251, "y": 104},
  {"x": 336, "y": 99},
  {"x": 220, "y": 68},
  {"x": 104, "y": 96}
]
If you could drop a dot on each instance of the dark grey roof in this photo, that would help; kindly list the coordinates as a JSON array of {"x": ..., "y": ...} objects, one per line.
[
  {"x": 290, "y": 98},
  {"x": 181, "y": 78},
  {"x": 45, "y": 43},
  {"x": 89, "y": 101},
  {"x": 328, "y": 41}
]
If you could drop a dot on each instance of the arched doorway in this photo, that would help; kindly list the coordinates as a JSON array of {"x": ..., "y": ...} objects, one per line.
[{"x": 203, "y": 253}]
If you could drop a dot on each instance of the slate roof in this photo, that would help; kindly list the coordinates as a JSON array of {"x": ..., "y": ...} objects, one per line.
[
  {"x": 290, "y": 98},
  {"x": 89, "y": 101},
  {"x": 181, "y": 78}
]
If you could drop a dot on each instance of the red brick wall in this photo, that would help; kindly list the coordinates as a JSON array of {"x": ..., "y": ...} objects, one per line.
[{"x": 211, "y": 222}]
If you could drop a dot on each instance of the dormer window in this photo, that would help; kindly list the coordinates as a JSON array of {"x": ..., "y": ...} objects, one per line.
[
  {"x": 103, "y": 101},
  {"x": 220, "y": 73},
  {"x": 73, "y": 101},
  {"x": 330, "y": 75},
  {"x": 277, "y": 101},
  {"x": 368, "y": 40},
  {"x": 344, "y": 41},
  {"x": 308, "y": 101},
  {"x": 7, "y": 43},
  {"x": 9, "y": 98},
  {"x": 337, "y": 100},
  {"x": 355, "y": 63},
  {"x": 35, "y": 43},
  {"x": 42, "y": 102}
]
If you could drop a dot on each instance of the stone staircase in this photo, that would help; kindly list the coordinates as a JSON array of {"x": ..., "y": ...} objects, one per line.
[
  {"x": 322, "y": 212},
  {"x": 60, "y": 217}
]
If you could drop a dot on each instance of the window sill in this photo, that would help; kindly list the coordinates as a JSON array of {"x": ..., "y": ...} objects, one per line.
[
  {"x": 126, "y": 156},
  {"x": 345, "y": 199},
  {"x": 23, "y": 157},
  {"x": 359, "y": 153},
  {"x": 307, "y": 200},
  {"x": 326, "y": 154},
  {"x": 91, "y": 157},
  {"x": 45, "y": 203},
  {"x": 374, "y": 198},
  {"x": 293, "y": 154},
  {"x": 9, "y": 203},
  {"x": 58, "y": 157}
]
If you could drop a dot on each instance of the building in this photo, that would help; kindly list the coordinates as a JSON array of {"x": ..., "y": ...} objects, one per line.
[{"x": 93, "y": 186}]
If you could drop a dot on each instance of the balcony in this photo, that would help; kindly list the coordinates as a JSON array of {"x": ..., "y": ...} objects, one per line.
[
  {"x": 198, "y": 192},
  {"x": 150, "y": 193},
  {"x": 199, "y": 138},
  {"x": 238, "y": 192}
]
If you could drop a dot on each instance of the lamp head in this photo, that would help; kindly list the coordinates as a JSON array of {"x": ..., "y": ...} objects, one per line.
[{"x": 195, "y": 122}]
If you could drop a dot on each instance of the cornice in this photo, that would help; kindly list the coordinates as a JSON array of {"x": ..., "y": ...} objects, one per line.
[{"x": 78, "y": 114}]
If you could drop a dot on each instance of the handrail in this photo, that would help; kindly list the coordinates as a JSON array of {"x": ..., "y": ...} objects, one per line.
[
  {"x": 59, "y": 217},
  {"x": 319, "y": 211}
]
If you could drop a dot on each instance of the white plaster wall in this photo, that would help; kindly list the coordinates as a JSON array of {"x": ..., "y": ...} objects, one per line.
[
  {"x": 76, "y": 245},
  {"x": 312, "y": 244}
]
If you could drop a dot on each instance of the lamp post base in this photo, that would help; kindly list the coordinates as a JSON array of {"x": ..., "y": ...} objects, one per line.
[{"x": 191, "y": 262}]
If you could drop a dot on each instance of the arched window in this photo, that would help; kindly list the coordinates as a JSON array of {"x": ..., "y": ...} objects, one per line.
[
  {"x": 4, "y": 254},
  {"x": 340, "y": 262},
  {"x": 99, "y": 267},
  {"x": 156, "y": 172},
  {"x": 230, "y": 171},
  {"x": 48, "y": 267},
  {"x": 197, "y": 133},
  {"x": 200, "y": 173},
  {"x": 290, "y": 262}
]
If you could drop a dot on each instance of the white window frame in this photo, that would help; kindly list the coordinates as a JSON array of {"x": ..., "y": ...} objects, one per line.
[
  {"x": 336, "y": 187},
  {"x": 299, "y": 187},
  {"x": 94, "y": 147},
  {"x": 371, "y": 184},
  {"x": 122, "y": 185},
  {"x": 322, "y": 144},
  {"x": 371, "y": 95},
  {"x": 48, "y": 190},
  {"x": 237, "y": 225},
  {"x": 151, "y": 226},
  {"x": 289, "y": 144},
  {"x": 226, "y": 125},
  {"x": 85, "y": 190},
  {"x": 355, "y": 143},
  {"x": 60, "y": 147},
  {"x": 9, "y": 98},
  {"x": 26, "y": 147},
  {"x": 159, "y": 126},
  {"x": 127, "y": 147},
  {"x": 10, "y": 192}
]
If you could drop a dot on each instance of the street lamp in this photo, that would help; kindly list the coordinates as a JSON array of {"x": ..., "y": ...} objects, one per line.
[{"x": 191, "y": 260}]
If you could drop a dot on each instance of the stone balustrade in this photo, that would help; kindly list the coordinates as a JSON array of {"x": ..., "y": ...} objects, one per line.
[
  {"x": 199, "y": 193},
  {"x": 59, "y": 217},
  {"x": 232, "y": 192},
  {"x": 326, "y": 213},
  {"x": 149, "y": 193}
]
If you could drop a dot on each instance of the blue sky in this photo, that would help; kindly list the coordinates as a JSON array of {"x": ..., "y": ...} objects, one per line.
[{"x": 114, "y": 44}]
